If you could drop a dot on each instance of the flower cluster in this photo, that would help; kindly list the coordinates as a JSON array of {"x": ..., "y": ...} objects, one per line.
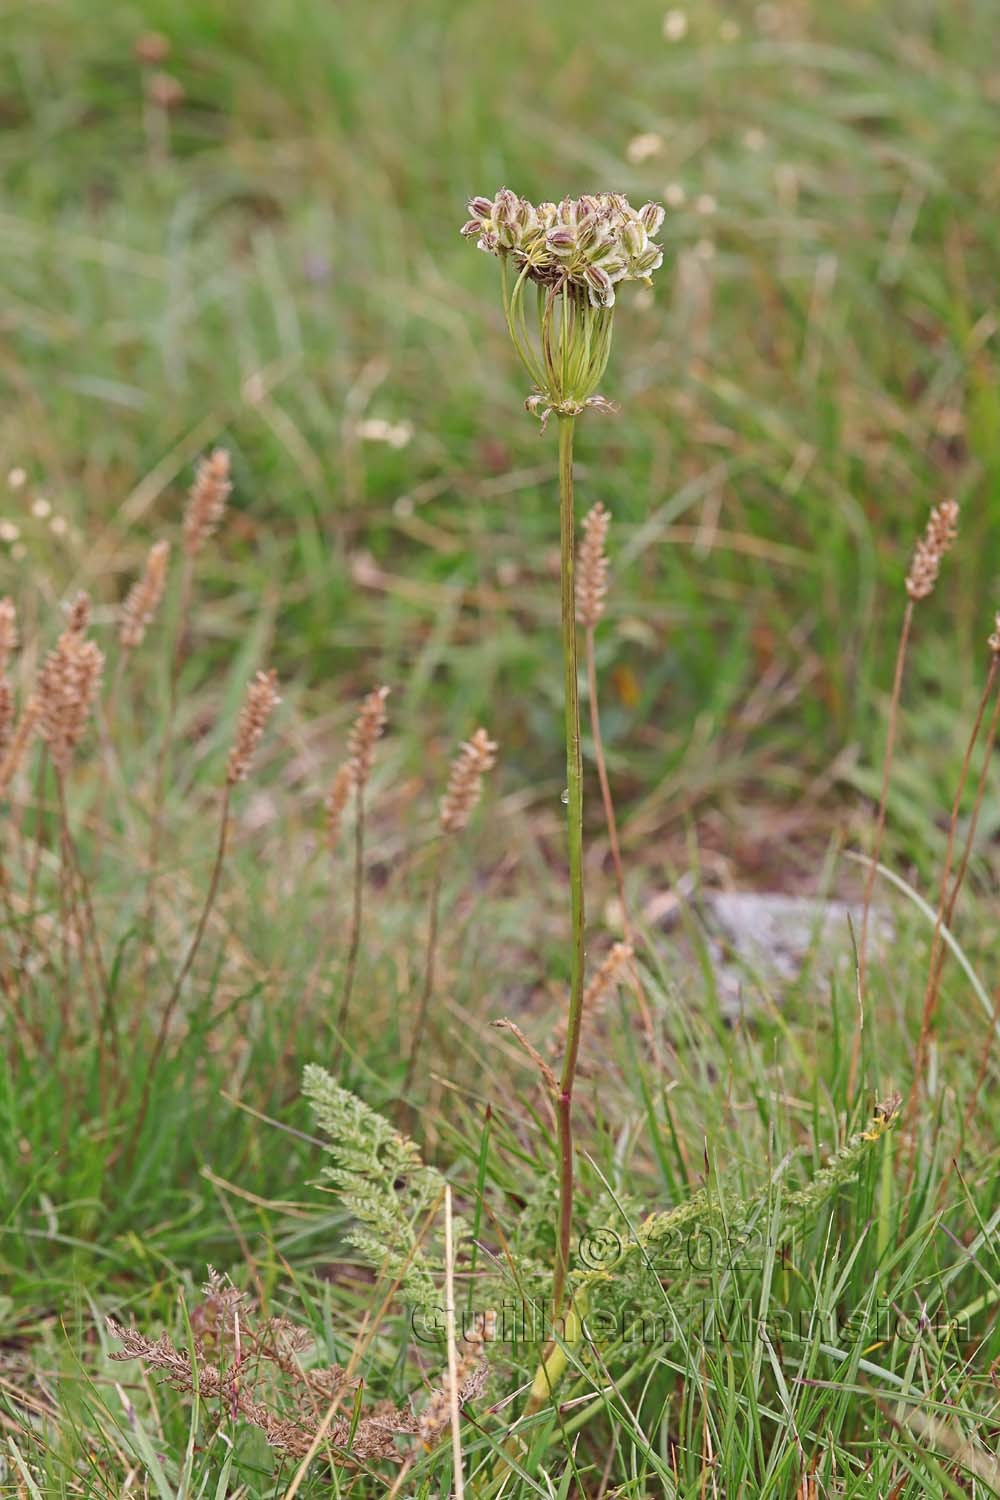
[{"x": 589, "y": 243}]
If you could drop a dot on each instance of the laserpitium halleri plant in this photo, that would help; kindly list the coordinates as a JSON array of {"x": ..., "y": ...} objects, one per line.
[{"x": 560, "y": 265}]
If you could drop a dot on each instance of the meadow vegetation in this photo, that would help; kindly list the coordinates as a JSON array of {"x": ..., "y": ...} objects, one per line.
[{"x": 285, "y": 959}]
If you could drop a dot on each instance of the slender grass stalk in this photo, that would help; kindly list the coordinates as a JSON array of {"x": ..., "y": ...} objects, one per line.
[
  {"x": 475, "y": 757},
  {"x": 973, "y": 1103},
  {"x": 260, "y": 702},
  {"x": 946, "y": 900},
  {"x": 148, "y": 924},
  {"x": 611, "y": 823},
  {"x": 173, "y": 999},
  {"x": 883, "y": 801},
  {"x": 357, "y": 920},
  {"x": 88, "y": 929},
  {"x": 203, "y": 515},
  {"x": 879, "y": 835},
  {"x": 365, "y": 733},
  {"x": 970, "y": 1109},
  {"x": 13, "y": 993},
  {"x": 574, "y": 832},
  {"x": 28, "y": 936},
  {"x": 430, "y": 964},
  {"x": 602, "y": 776},
  {"x": 937, "y": 539}
]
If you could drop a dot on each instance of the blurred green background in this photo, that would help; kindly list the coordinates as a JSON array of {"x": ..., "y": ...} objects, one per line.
[{"x": 239, "y": 224}]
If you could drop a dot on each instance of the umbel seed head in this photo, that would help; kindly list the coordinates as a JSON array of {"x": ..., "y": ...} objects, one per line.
[
  {"x": 588, "y": 244},
  {"x": 574, "y": 253}
]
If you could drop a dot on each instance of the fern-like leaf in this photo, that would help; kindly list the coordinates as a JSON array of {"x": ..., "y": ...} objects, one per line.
[{"x": 382, "y": 1180}]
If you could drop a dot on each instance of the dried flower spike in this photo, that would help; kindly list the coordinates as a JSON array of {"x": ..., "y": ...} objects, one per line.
[
  {"x": 207, "y": 501},
  {"x": 366, "y": 731},
  {"x": 8, "y": 632},
  {"x": 260, "y": 702},
  {"x": 942, "y": 529},
  {"x": 78, "y": 615},
  {"x": 143, "y": 598},
  {"x": 994, "y": 641},
  {"x": 27, "y": 724},
  {"x": 336, "y": 801},
  {"x": 610, "y": 973},
  {"x": 8, "y": 645},
  {"x": 592, "y": 567},
  {"x": 471, "y": 1371},
  {"x": 68, "y": 684},
  {"x": 465, "y": 779},
  {"x": 6, "y": 714}
]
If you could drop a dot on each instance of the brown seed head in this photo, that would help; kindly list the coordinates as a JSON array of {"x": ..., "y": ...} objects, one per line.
[
  {"x": 151, "y": 49},
  {"x": 6, "y": 714},
  {"x": 995, "y": 637},
  {"x": 143, "y": 598},
  {"x": 78, "y": 616},
  {"x": 471, "y": 1370},
  {"x": 165, "y": 91},
  {"x": 206, "y": 501},
  {"x": 260, "y": 702},
  {"x": 592, "y": 567},
  {"x": 465, "y": 779},
  {"x": 610, "y": 974},
  {"x": 27, "y": 724},
  {"x": 8, "y": 632},
  {"x": 942, "y": 529},
  {"x": 336, "y": 801},
  {"x": 367, "y": 729},
  {"x": 68, "y": 684}
]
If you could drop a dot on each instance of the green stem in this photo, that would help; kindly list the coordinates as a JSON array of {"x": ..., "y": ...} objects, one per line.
[
  {"x": 357, "y": 915},
  {"x": 574, "y": 824},
  {"x": 429, "y": 969}
]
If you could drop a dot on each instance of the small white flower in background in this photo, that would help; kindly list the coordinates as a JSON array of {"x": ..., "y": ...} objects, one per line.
[
  {"x": 729, "y": 31},
  {"x": 17, "y": 479},
  {"x": 675, "y": 25},
  {"x": 378, "y": 430},
  {"x": 754, "y": 139},
  {"x": 41, "y": 508},
  {"x": 705, "y": 204},
  {"x": 58, "y": 526},
  {"x": 674, "y": 195},
  {"x": 643, "y": 147},
  {"x": 8, "y": 531}
]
